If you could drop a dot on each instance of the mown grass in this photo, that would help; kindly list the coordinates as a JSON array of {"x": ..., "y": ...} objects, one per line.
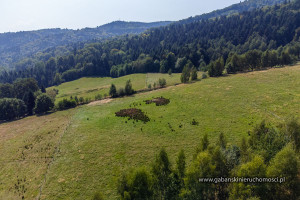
[
  {"x": 90, "y": 87},
  {"x": 98, "y": 146}
]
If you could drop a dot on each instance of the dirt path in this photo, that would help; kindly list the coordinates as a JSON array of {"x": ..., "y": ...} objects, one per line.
[{"x": 100, "y": 102}]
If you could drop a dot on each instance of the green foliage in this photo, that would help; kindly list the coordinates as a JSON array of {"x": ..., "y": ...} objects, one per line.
[
  {"x": 222, "y": 141},
  {"x": 267, "y": 141},
  {"x": 181, "y": 165},
  {"x": 201, "y": 167},
  {"x": 6, "y": 91},
  {"x": 66, "y": 104},
  {"x": 113, "y": 91},
  {"x": 162, "y": 82},
  {"x": 292, "y": 130},
  {"x": 43, "y": 103},
  {"x": 194, "y": 74},
  {"x": 284, "y": 165},
  {"x": 254, "y": 168},
  {"x": 29, "y": 100},
  {"x": 11, "y": 108},
  {"x": 185, "y": 76},
  {"x": 128, "y": 88},
  {"x": 204, "y": 76},
  {"x": 216, "y": 68},
  {"x": 162, "y": 171},
  {"x": 97, "y": 97},
  {"x": 204, "y": 143},
  {"x": 137, "y": 185},
  {"x": 248, "y": 34}
]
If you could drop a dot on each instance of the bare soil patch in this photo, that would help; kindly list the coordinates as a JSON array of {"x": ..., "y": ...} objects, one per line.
[{"x": 100, "y": 102}]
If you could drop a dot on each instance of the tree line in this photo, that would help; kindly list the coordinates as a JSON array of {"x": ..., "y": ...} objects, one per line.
[
  {"x": 204, "y": 43},
  {"x": 23, "y": 97}
]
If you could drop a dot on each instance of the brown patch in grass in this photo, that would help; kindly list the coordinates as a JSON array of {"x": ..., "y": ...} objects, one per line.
[
  {"x": 159, "y": 101},
  {"x": 133, "y": 113}
]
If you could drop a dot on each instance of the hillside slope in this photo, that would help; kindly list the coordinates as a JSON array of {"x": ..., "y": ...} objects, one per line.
[
  {"x": 95, "y": 146},
  {"x": 17, "y": 46},
  {"x": 246, "y": 5},
  {"x": 274, "y": 29}
]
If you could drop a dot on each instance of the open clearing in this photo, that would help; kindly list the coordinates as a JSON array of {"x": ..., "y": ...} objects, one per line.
[
  {"x": 90, "y": 87},
  {"x": 97, "y": 147}
]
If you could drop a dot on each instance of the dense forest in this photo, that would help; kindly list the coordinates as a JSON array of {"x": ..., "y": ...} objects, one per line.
[
  {"x": 247, "y": 5},
  {"x": 247, "y": 41},
  {"x": 42, "y": 44},
  {"x": 52, "y": 42}
]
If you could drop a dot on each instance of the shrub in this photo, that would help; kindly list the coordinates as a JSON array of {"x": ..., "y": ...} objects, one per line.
[
  {"x": 162, "y": 82},
  {"x": 204, "y": 76},
  {"x": 43, "y": 103},
  {"x": 66, "y": 104},
  {"x": 98, "y": 97}
]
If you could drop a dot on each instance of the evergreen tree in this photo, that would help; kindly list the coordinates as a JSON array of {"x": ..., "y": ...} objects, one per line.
[
  {"x": 113, "y": 91},
  {"x": 194, "y": 75},
  {"x": 161, "y": 171},
  {"x": 29, "y": 100},
  {"x": 128, "y": 88},
  {"x": 185, "y": 75}
]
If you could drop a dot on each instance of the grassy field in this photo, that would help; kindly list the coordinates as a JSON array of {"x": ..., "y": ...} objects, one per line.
[
  {"x": 95, "y": 147},
  {"x": 90, "y": 87}
]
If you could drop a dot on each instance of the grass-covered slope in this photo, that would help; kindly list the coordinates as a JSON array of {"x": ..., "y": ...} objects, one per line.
[
  {"x": 97, "y": 146},
  {"x": 90, "y": 87}
]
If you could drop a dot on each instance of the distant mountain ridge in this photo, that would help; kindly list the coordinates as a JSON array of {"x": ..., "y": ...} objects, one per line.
[{"x": 16, "y": 46}]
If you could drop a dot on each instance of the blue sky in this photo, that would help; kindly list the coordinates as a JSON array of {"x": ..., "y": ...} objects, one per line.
[{"x": 19, "y": 15}]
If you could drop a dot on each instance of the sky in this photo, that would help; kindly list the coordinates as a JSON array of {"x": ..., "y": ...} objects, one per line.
[{"x": 24, "y": 15}]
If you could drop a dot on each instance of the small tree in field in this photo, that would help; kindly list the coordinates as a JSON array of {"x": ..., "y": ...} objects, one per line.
[
  {"x": 185, "y": 76},
  {"x": 128, "y": 88},
  {"x": 162, "y": 82},
  {"x": 43, "y": 104},
  {"x": 113, "y": 91}
]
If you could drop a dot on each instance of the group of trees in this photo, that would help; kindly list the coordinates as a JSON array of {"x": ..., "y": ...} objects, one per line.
[
  {"x": 121, "y": 91},
  {"x": 189, "y": 72},
  {"x": 268, "y": 153},
  {"x": 22, "y": 98},
  {"x": 209, "y": 44}
]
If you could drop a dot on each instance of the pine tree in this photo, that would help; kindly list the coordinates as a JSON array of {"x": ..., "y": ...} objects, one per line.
[{"x": 113, "y": 91}]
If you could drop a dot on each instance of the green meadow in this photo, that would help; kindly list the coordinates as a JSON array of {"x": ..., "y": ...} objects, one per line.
[
  {"x": 90, "y": 87},
  {"x": 74, "y": 153}
]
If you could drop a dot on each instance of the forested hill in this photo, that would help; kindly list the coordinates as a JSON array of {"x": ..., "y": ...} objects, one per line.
[
  {"x": 258, "y": 38},
  {"x": 16, "y": 46},
  {"x": 246, "y": 5}
]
